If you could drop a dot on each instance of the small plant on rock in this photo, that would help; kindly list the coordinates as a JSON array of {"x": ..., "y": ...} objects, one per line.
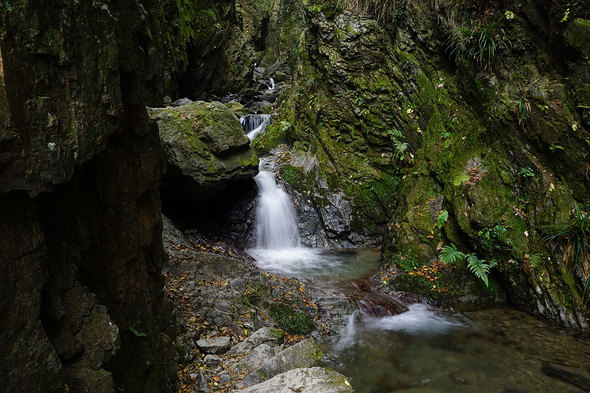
[{"x": 573, "y": 236}]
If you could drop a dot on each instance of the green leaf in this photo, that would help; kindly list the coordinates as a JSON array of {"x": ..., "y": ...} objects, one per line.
[
  {"x": 442, "y": 218},
  {"x": 138, "y": 334}
]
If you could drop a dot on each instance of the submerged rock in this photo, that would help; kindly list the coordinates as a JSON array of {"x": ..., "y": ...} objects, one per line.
[
  {"x": 304, "y": 380},
  {"x": 573, "y": 375}
]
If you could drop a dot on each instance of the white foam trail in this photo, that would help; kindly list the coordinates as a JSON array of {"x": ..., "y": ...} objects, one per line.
[
  {"x": 420, "y": 319},
  {"x": 347, "y": 339}
]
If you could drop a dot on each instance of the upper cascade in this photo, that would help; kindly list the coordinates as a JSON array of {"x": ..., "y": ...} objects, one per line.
[{"x": 254, "y": 124}]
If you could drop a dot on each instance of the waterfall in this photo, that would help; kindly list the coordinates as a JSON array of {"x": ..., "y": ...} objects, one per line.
[
  {"x": 254, "y": 124},
  {"x": 276, "y": 227}
]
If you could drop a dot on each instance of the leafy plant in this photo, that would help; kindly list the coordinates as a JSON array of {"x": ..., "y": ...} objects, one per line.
[
  {"x": 401, "y": 147},
  {"x": 527, "y": 172},
  {"x": 573, "y": 235},
  {"x": 460, "y": 179},
  {"x": 479, "y": 267},
  {"x": 443, "y": 216},
  {"x": 478, "y": 43}
]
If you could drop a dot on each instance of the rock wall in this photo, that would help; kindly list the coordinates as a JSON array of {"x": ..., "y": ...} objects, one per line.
[
  {"x": 409, "y": 119},
  {"x": 81, "y": 251}
]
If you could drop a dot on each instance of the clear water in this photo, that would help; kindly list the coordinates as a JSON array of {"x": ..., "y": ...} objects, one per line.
[{"x": 430, "y": 350}]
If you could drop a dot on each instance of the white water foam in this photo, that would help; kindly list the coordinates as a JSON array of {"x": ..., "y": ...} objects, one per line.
[
  {"x": 347, "y": 338},
  {"x": 420, "y": 319}
]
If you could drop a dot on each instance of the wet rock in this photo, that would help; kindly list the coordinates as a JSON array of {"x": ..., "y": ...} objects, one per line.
[
  {"x": 214, "y": 345},
  {"x": 265, "y": 335},
  {"x": 303, "y": 354},
  {"x": 573, "y": 375},
  {"x": 304, "y": 380}
]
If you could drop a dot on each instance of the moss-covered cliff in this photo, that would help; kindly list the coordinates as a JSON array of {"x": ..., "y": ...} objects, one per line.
[{"x": 448, "y": 123}]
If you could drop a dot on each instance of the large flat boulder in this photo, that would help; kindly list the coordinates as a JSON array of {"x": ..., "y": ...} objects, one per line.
[{"x": 304, "y": 380}]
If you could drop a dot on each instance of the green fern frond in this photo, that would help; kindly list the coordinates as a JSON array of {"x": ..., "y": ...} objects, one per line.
[
  {"x": 401, "y": 146},
  {"x": 396, "y": 133},
  {"x": 450, "y": 254},
  {"x": 460, "y": 179},
  {"x": 480, "y": 267}
]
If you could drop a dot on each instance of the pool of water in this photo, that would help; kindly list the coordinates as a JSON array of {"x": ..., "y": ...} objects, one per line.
[
  {"x": 428, "y": 350},
  {"x": 313, "y": 263}
]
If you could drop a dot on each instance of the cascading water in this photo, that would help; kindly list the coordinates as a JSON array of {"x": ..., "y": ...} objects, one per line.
[
  {"x": 254, "y": 124},
  {"x": 276, "y": 227}
]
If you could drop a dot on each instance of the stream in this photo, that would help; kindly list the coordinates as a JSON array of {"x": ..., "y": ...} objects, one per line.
[
  {"x": 426, "y": 349},
  {"x": 387, "y": 346}
]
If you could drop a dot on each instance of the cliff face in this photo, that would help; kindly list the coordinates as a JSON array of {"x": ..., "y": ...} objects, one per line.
[
  {"x": 81, "y": 251},
  {"x": 447, "y": 125}
]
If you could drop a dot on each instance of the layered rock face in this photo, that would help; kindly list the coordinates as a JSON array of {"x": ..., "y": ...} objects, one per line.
[
  {"x": 81, "y": 252},
  {"x": 409, "y": 127}
]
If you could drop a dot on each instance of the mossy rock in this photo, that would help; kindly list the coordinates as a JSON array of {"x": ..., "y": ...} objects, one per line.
[
  {"x": 289, "y": 319},
  {"x": 578, "y": 35}
]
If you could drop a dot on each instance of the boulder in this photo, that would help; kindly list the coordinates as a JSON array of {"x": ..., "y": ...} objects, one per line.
[
  {"x": 303, "y": 354},
  {"x": 304, "y": 380},
  {"x": 206, "y": 149}
]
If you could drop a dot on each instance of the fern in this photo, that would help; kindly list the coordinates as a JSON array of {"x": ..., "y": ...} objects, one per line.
[
  {"x": 480, "y": 267},
  {"x": 460, "y": 179},
  {"x": 450, "y": 254},
  {"x": 396, "y": 133},
  {"x": 400, "y": 146}
]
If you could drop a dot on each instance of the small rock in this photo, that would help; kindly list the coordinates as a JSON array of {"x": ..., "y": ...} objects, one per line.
[
  {"x": 214, "y": 345},
  {"x": 182, "y": 101},
  {"x": 213, "y": 360},
  {"x": 203, "y": 385},
  {"x": 224, "y": 377}
]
